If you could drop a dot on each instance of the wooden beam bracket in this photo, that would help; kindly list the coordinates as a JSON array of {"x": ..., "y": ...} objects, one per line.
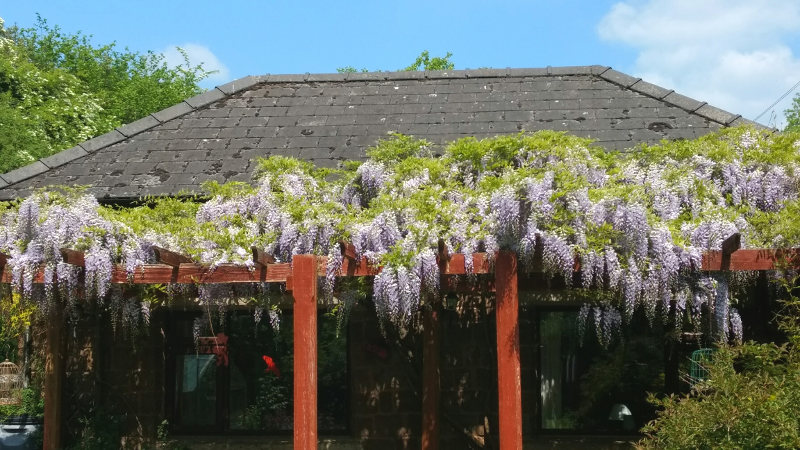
[
  {"x": 262, "y": 258},
  {"x": 170, "y": 258},
  {"x": 74, "y": 257},
  {"x": 348, "y": 250},
  {"x": 730, "y": 245}
]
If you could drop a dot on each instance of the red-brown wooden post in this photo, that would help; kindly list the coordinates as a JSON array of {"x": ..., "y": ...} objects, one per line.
[
  {"x": 54, "y": 379},
  {"x": 430, "y": 379},
  {"x": 304, "y": 289},
  {"x": 509, "y": 388}
]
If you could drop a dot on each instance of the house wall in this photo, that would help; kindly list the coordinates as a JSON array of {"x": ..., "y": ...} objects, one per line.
[
  {"x": 121, "y": 376},
  {"x": 114, "y": 378}
]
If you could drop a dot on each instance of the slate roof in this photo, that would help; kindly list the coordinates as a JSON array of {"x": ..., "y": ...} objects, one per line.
[{"x": 328, "y": 118}]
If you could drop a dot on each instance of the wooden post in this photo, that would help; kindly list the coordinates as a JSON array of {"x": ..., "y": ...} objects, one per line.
[
  {"x": 304, "y": 289},
  {"x": 509, "y": 388},
  {"x": 430, "y": 379},
  {"x": 54, "y": 379}
]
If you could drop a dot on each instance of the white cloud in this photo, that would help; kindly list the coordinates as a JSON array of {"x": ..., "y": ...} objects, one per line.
[
  {"x": 197, "y": 54},
  {"x": 731, "y": 53}
]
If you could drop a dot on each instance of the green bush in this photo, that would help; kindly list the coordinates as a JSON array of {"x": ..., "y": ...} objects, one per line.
[
  {"x": 32, "y": 405},
  {"x": 751, "y": 399}
]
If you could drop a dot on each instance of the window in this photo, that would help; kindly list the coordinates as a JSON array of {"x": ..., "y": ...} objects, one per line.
[
  {"x": 240, "y": 380},
  {"x": 586, "y": 387}
]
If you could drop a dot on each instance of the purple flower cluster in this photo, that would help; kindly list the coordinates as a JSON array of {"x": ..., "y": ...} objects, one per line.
[
  {"x": 375, "y": 238},
  {"x": 631, "y": 222},
  {"x": 427, "y": 268},
  {"x": 396, "y": 293},
  {"x": 606, "y": 322},
  {"x": 710, "y": 234},
  {"x": 258, "y": 312},
  {"x": 373, "y": 177},
  {"x": 335, "y": 261},
  {"x": 736, "y": 325},
  {"x": 632, "y": 285},
  {"x": 274, "y": 319},
  {"x": 99, "y": 268},
  {"x": 721, "y": 307},
  {"x": 506, "y": 214},
  {"x": 592, "y": 269},
  {"x": 538, "y": 194},
  {"x": 558, "y": 257}
]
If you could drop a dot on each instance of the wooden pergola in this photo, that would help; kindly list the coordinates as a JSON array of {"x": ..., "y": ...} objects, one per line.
[{"x": 300, "y": 278}]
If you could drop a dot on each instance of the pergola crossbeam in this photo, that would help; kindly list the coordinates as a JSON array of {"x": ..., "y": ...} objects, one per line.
[{"x": 179, "y": 269}]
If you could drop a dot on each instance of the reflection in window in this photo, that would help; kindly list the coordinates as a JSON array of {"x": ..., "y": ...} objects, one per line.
[
  {"x": 587, "y": 387},
  {"x": 261, "y": 375},
  {"x": 197, "y": 389}
]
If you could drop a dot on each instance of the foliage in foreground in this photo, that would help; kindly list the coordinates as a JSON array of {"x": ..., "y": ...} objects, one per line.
[
  {"x": 750, "y": 400},
  {"x": 638, "y": 221},
  {"x": 58, "y": 89}
]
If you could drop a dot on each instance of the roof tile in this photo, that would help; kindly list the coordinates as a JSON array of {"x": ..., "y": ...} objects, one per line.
[
  {"x": 63, "y": 157},
  {"x": 445, "y": 74},
  {"x": 540, "y": 72},
  {"x": 739, "y": 121},
  {"x": 315, "y": 77},
  {"x": 715, "y": 114},
  {"x": 570, "y": 70},
  {"x": 288, "y": 78},
  {"x": 145, "y": 123},
  {"x": 650, "y": 89},
  {"x": 620, "y": 78},
  {"x": 683, "y": 101},
  {"x": 24, "y": 172},
  {"x": 112, "y": 137},
  {"x": 239, "y": 85},
  {"x": 205, "y": 98},
  {"x": 172, "y": 112},
  {"x": 487, "y": 73}
]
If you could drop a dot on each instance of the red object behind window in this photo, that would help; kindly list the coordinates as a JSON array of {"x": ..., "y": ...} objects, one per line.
[{"x": 271, "y": 366}]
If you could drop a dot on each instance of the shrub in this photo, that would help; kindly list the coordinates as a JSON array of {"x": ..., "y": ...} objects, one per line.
[{"x": 751, "y": 399}]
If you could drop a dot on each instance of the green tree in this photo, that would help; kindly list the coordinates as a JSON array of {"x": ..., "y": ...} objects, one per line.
[
  {"x": 58, "y": 89},
  {"x": 423, "y": 62},
  {"x": 793, "y": 115},
  {"x": 129, "y": 85},
  {"x": 42, "y": 111}
]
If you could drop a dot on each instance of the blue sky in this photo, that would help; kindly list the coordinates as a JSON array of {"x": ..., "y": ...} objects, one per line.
[{"x": 737, "y": 55}]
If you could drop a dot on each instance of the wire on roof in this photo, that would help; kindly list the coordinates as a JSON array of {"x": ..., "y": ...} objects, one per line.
[{"x": 777, "y": 101}]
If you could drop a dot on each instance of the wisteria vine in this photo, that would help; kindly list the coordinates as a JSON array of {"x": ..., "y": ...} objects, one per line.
[{"x": 637, "y": 222}]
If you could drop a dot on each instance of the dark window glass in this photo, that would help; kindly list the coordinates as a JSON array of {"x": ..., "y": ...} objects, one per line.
[
  {"x": 587, "y": 387},
  {"x": 250, "y": 388}
]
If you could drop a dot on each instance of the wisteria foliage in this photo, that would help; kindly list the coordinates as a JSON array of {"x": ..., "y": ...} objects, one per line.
[{"x": 636, "y": 222}]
